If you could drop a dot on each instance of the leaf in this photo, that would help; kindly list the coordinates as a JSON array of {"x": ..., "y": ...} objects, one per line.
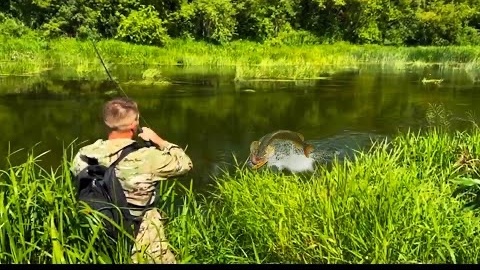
[
  {"x": 466, "y": 181},
  {"x": 104, "y": 258}
]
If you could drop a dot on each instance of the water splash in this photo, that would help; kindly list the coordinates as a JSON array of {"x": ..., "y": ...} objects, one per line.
[
  {"x": 294, "y": 163},
  {"x": 288, "y": 156}
]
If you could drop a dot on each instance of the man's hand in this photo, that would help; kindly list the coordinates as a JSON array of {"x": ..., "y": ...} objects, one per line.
[{"x": 150, "y": 135}]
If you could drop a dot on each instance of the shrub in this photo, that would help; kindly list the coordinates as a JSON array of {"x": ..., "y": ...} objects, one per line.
[{"x": 142, "y": 27}]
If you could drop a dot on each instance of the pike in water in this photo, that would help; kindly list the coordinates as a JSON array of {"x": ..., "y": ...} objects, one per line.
[{"x": 262, "y": 150}]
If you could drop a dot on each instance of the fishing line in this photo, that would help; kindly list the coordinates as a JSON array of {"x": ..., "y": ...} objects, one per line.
[{"x": 111, "y": 78}]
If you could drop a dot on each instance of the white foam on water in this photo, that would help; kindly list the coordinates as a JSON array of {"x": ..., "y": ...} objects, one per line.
[
  {"x": 288, "y": 156},
  {"x": 293, "y": 163}
]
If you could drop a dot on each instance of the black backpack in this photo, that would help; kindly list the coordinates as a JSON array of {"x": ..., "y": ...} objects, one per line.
[{"x": 98, "y": 186}]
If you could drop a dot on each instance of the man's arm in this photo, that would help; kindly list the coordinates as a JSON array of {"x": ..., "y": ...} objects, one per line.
[
  {"x": 171, "y": 161},
  {"x": 77, "y": 164}
]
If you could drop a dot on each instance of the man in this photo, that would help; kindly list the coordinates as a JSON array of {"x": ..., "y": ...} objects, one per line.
[{"x": 138, "y": 173}]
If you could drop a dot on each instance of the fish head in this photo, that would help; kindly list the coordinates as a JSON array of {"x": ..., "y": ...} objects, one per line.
[
  {"x": 254, "y": 152},
  {"x": 308, "y": 149},
  {"x": 254, "y": 147},
  {"x": 260, "y": 160}
]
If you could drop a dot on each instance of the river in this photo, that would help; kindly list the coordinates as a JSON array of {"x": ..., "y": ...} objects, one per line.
[{"x": 218, "y": 117}]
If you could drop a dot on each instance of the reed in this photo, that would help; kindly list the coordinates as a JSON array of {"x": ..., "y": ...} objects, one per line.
[
  {"x": 251, "y": 60},
  {"x": 40, "y": 221},
  {"x": 395, "y": 203}
]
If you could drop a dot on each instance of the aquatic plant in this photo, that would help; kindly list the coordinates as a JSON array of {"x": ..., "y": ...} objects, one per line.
[{"x": 250, "y": 60}]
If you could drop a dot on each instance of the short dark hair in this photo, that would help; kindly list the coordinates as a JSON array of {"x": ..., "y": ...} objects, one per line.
[{"x": 119, "y": 113}]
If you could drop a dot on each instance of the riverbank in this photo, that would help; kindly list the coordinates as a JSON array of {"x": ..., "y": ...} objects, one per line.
[
  {"x": 250, "y": 60},
  {"x": 394, "y": 204}
]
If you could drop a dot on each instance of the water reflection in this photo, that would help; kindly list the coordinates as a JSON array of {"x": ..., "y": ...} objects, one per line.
[{"x": 216, "y": 117}]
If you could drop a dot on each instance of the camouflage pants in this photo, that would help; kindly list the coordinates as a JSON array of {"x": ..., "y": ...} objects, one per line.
[{"x": 151, "y": 245}]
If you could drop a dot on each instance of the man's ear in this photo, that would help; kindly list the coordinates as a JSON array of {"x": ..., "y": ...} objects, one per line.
[
  {"x": 135, "y": 129},
  {"x": 133, "y": 126}
]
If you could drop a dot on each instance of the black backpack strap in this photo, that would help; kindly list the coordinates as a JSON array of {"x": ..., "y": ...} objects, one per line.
[
  {"x": 111, "y": 169},
  {"x": 125, "y": 151},
  {"x": 119, "y": 197}
]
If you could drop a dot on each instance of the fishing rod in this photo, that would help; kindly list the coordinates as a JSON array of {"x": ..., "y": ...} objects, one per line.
[{"x": 149, "y": 143}]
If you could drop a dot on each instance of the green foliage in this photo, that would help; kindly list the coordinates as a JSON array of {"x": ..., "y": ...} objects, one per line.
[
  {"x": 11, "y": 27},
  {"x": 72, "y": 18},
  {"x": 445, "y": 23},
  {"x": 397, "y": 24},
  {"x": 264, "y": 19},
  {"x": 111, "y": 12},
  {"x": 83, "y": 18},
  {"x": 143, "y": 27},
  {"x": 182, "y": 19},
  {"x": 217, "y": 20},
  {"x": 292, "y": 37},
  {"x": 204, "y": 19},
  {"x": 404, "y": 22}
]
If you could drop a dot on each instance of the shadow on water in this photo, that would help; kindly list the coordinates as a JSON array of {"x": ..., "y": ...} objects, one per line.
[{"x": 218, "y": 117}]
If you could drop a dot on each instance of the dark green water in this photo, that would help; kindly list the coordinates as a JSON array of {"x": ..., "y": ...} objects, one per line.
[{"x": 217, "y": 118}]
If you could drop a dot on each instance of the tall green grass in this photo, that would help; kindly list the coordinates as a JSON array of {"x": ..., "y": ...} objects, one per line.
[
  {"x": 40, "y": 221},
  {"x": 395, "y": 203},
  {"x": 251, "y": 60}
]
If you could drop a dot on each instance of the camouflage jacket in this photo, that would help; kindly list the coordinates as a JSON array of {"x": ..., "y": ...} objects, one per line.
[{"x": 140, "y": 170}]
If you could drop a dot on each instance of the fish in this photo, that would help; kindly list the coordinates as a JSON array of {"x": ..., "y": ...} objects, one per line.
[{"x": 261, "y": 150}]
